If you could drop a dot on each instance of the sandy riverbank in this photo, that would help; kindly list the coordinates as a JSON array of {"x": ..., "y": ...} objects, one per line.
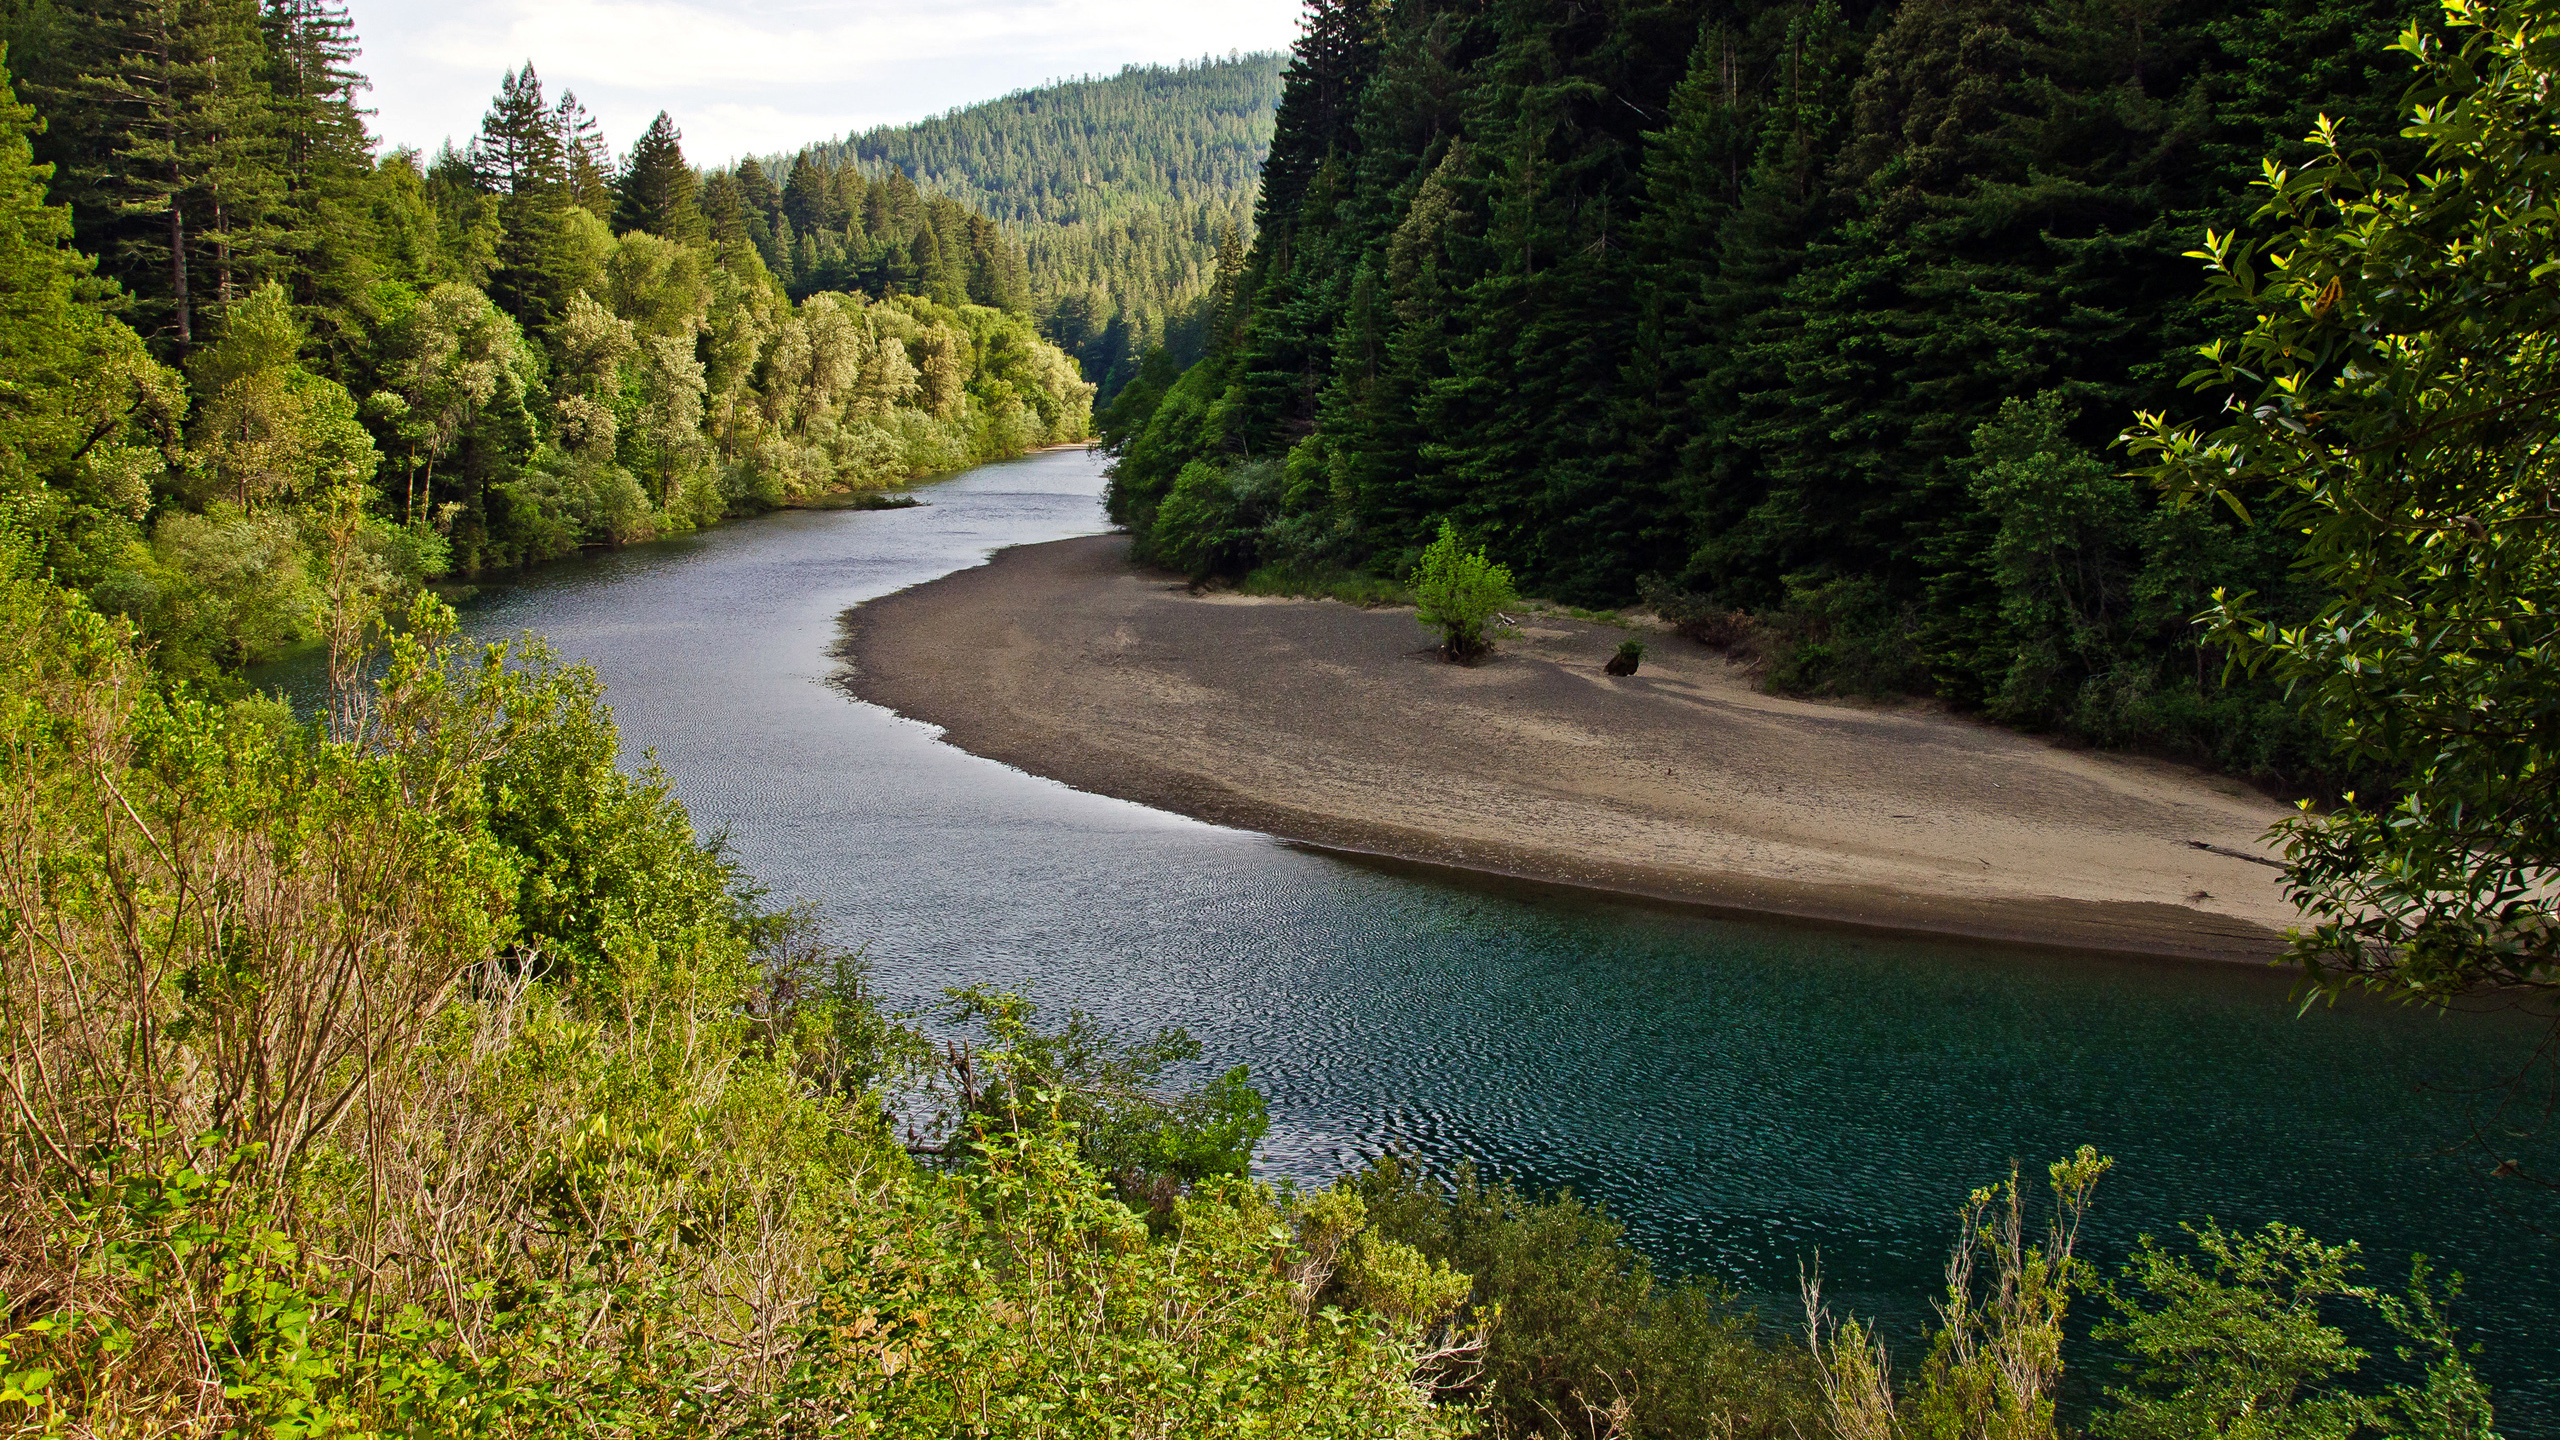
[{"x": 1322, "y": 723}]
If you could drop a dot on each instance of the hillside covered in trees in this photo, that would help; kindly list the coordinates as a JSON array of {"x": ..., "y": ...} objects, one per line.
[
  {"x": 1812, "y": 322},
  {"x": 266, "y": 330},
  {"x": 1122, "y": 190}
]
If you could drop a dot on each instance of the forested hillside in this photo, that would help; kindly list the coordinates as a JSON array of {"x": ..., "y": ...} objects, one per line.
[
  {"x": 1122, "y": 191},
  {"x": 491, "y": 357},
  {"x": 1814, "y": 320}
]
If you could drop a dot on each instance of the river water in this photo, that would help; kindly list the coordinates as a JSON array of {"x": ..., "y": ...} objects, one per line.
[{"x": 1741, "y": 1095}]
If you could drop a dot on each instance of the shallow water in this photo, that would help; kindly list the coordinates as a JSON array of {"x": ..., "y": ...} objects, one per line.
[{"x": 1742, "y": 1095}]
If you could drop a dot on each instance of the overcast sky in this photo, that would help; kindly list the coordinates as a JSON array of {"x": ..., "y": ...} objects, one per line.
[{"x": 755, "y": 76}]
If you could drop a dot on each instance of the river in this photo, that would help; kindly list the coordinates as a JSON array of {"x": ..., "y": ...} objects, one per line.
[{"x": 1741, "y": 1095}]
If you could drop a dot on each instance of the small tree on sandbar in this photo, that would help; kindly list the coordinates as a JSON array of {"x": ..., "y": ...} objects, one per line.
[{"x": 1460, "y": 593}]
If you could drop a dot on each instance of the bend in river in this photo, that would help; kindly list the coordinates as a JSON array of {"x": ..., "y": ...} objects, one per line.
[{"x": 1740, "y": 1094}]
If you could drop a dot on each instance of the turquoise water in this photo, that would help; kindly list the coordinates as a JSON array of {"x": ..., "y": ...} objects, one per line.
[{"x": 1742, "y": 1095}]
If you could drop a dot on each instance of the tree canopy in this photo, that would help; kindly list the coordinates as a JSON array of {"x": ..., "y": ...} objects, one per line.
[
  {"x": 223, "y": 308},
  {"x": 1123, "y": 190},
  {"x": 1819, "y": 313}
]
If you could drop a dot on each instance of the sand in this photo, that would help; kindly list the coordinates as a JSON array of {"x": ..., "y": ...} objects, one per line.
[{"x": 1339, "y": 727}]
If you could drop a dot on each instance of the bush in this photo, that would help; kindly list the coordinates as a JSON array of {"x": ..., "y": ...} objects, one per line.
[
  {"x": 1586, "y": 1340},
  {"x": 1461, "y": 594},
  {"x": 1102, "y": 1088},
  {"x": 1020, "y": 1299},
  {"x": 1212, "y": 522}
]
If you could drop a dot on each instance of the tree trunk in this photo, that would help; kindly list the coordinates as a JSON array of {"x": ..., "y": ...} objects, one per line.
[{"x": 178, "y": 265}]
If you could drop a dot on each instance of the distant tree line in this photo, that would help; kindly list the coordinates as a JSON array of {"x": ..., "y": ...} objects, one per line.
[
  {"x": 1122, "y": 190},
  {"x": 829, "y": 227}
]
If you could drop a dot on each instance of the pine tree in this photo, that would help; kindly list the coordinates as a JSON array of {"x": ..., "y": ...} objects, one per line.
[
  {"x": 522, "y": 158},
  {"x": 809, "y": 198},
  {"x": 77, "y": 391},
  {"x": 658, "y": 189},
  {"x": 326, "y": 231},
  {"x": 724, "y": 217},
  {"x": 763, "y": 197},
  {"x": 174, "y": 158},
  {"x": 588, "y": 159}
]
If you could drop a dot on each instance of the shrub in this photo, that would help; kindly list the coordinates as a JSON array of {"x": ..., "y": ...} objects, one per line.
[
  {"x": 1581, "y": 1337},
  {"x": 1461, "y": 595},
  {"x": 1212, "y": 522}
]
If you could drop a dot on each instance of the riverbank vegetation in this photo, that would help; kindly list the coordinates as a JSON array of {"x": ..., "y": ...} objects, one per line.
[
  {"x": 413, "y": 1068},
  {"x": 225, "y": 308}
]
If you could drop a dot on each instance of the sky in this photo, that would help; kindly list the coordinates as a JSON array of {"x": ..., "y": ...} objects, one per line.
[{"x": 754, "y": 77}]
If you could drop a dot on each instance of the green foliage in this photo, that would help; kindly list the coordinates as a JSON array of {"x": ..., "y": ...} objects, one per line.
[
  {"x": 1323, "y": 581},
  {"x": 541, "y": 1123},
  {"x": 1578, "y": 1335},
  {"x": 657, "y": 188},
  {"x": 1022, "y": 1299},
  {"x": 1101, "y": 1089},
  {"x": 2242, "y": 1344},
  {"x": 1733, "y": 299},
  {"x": 1211, "y": 523},
  {"x": 89, "y": 415},
  {"x": 1131, "y": 193},
  {"x": 267, "y": 431},
  {"x": 471, "y": 336},
  {"x": 2390, "y": 402},
  {"x": 1459, "y": 593},
  {"x": 2059, "y": 556},
  {"x": 415, "y": 1071}
]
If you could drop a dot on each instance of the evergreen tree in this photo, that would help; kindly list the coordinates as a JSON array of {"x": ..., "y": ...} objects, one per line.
[
  {"x": 522, "y": 158},
  {"x": 326, "y": 224},
  {"x": 763, "y": 197},
  {"x": 86, "y": 416},
  {"x": 810, "y": 199},
  {"x": 589, "y": 161},
  {"x": 725, "y": 216},
  {"x": 1719, "y": 300},
  {"x": 658, "y": 189},
  {"x": 171, "y": 157}
]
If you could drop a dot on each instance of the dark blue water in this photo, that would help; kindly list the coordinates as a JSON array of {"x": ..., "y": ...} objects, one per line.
[{"x": 1741, "y": 1095}]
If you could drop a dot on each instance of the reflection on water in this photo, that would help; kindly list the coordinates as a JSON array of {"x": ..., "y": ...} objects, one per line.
[{"x": 1740, "y": 1094}]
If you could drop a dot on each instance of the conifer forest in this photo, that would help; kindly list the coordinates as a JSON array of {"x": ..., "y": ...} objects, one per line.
[
  {"x": 1815, "y": 324},
  {"x": 1124, "y": 191}
]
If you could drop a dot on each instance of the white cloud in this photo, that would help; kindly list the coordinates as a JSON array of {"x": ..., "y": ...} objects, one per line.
[{"x": 765, "y": 75}]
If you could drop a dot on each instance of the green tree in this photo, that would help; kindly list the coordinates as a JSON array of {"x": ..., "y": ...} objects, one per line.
[
  {"x": 2393, "y": 387},
  {"x": 589, "y": 159},
  {"x": 445, "y": 361},
  {"x": 326, "y": 214},
  {"x": 2246, "y": 1343},
  {"x": 658, "y": 191},
  {"x": 173, "y": 165},
  {"x": 266, "y": 430},
  {"x": 86, "y": 416},
  {"x": 1459, "y": 593},
  {"x": 541, "y": 257}
]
